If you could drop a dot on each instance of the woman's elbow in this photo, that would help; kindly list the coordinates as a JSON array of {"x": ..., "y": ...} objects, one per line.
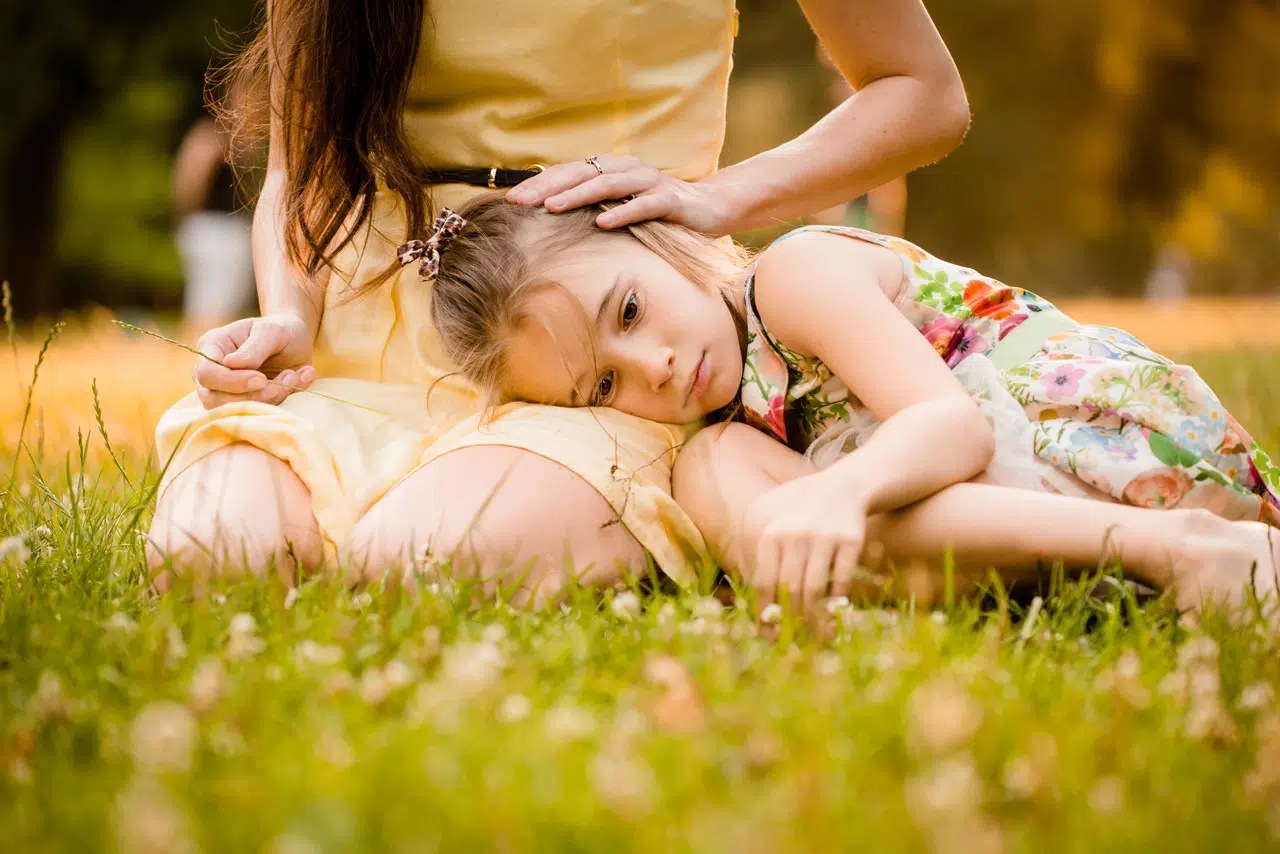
[{"x": 948, "y": 114}]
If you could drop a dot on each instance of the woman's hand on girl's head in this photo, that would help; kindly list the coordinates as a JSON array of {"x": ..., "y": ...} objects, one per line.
[
  {"x": 808, "y": 535},
  {"x": 239, "y": 357},
  {"x": 650, "y": 194}
]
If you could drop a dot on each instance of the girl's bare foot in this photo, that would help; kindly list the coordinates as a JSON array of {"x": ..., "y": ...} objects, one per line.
[{"x": 1228, "y": 564}]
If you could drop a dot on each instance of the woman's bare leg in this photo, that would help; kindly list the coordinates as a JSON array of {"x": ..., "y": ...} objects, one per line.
[
  {"x": 238, "y": 510},
  {"x": 513, "y": 517},
  {"x": 981, "y": 527}
]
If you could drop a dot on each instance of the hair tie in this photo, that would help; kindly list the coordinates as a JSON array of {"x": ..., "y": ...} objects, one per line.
[{"x": 427, "y": 252}]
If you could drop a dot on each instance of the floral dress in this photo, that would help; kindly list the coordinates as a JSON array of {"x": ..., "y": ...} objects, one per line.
[{"x": 1092, "y": 413}]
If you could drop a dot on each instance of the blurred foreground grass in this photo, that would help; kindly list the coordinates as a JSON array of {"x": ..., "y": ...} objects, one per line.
[{"x": 251, "y": 719}]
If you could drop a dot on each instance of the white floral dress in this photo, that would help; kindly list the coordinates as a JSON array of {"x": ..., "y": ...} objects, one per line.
[{"x": 1092, "y": 413}]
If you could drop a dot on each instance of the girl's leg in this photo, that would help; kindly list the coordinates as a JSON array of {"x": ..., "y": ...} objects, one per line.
[
  {"x": 237, "y": 510},
  {"x": 983, "y": 527},
  {"x": 510, "y": 515}
]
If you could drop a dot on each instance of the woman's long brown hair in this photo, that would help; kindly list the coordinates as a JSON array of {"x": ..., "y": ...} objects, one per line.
[{"x": 333, "y": 75}]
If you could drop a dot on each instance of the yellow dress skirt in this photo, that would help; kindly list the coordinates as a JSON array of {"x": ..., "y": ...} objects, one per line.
[{"x": 499, "y": 83}]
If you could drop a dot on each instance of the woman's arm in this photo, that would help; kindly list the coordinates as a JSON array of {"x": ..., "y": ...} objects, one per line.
[
  {"x": 819, "y": 295},
  {"x": 909, "y": 109},
  {"x": 279, "y": 342}
]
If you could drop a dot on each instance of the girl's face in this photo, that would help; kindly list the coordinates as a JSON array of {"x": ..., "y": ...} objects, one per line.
[{"x": 625, "y": 330}]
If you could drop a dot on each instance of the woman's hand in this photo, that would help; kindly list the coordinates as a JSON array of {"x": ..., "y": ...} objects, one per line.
[
  {"x": 250, "y": 350},
  {"x": 650, "y": 194},
  {"x": 808, "y": 535}
]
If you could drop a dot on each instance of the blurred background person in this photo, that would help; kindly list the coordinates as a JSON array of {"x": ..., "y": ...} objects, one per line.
[{"x": 214, "y": 233}]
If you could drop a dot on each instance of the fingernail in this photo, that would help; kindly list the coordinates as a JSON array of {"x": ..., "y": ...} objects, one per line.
[
  {"x": 606, "y": 221},
  {"x": 520, "y": 197},
  {"x": 257, "y": 383}
]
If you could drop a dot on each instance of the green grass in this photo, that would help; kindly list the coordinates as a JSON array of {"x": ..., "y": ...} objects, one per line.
[{"x": 247, "y": 719}]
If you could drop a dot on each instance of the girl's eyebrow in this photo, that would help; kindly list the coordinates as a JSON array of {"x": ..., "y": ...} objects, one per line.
[{"x": 608, "y": 298}]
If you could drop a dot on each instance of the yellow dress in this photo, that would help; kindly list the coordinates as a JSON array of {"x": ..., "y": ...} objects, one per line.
[{"x": 498, "y": 83}]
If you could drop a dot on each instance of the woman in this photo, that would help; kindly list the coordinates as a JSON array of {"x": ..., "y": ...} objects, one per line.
[{"x": 629, "y": 102}]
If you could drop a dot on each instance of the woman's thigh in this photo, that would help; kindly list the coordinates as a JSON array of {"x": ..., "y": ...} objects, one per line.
[
  {"x": 237, "y": 510},
  {"x": 514, "y": 517}
]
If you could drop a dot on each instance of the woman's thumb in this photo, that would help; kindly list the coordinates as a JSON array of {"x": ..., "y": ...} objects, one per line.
[{"x": 264, "y": 341}]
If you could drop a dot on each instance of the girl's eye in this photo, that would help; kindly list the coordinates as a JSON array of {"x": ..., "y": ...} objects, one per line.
[
  {"x": 604, "y": 390},
  {"x": 630, "y": 309}
]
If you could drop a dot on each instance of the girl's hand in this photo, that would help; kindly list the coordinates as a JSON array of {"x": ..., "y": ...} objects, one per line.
[
  {"x": 808, "y": 535},
  {"x": 650, "y": 194},
  {"x": 250, "y": 350}
]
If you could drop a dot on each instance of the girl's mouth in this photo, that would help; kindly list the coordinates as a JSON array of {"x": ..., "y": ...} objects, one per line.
[{"x": 701, "y": 379}]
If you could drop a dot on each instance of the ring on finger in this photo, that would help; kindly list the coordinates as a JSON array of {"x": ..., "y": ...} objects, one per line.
[{"x": 595, "y": 161}]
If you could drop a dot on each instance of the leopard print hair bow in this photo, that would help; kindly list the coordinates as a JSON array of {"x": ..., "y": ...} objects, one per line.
[{"x": 427, "y": 252}]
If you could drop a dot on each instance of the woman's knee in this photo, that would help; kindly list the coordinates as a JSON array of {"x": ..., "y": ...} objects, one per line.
[
  {"x": 238, "y": 510},
  {"x": 510, "y": 516}
]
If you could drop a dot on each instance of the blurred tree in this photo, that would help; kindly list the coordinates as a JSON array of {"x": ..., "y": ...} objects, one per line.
[{"x": 59, "y": 63}]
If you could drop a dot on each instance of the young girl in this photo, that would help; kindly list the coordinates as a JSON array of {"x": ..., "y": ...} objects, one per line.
[{"x": 899, "y": 405}]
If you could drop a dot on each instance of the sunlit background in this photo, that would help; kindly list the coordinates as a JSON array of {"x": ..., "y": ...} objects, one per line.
[{"x": 1122, "y": 157}]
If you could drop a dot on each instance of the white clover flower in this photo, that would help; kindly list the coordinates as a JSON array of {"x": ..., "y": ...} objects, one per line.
[
  {"x": 513, "y": 708},
  {"x": 624, "y": 782},
  {"x": 13, "y": 550},
  {"x": 569, "y": 722},
  {"x": 1256, "y": 697},
  {"x": 1107, "y": 796},
  {"x": 941, "y": 716},
  {"x": 310, "y": 652},
  {"x": 472, "y": 667},
  {"x": 149, "y": 822},
  {"x": 626, "y": 605},
  {"x": 827, "y": 663},
  {"x": 951, "y": 788},
  {"x": 121, "y": 622},
  {"x": 837, "y": 604},
  {"x": 50, "y": 699},
  {"x": 175, "y": 648},
  {"x": 494, "y": 633},
  {"x": 708, "y": 608},
  {"x": 242, "y": 637},
  {"x": 208, "y": 684},
  {"x": 771, "y": 614},
  {"x": 362, "y": 600},
  {"x": 163, "y": 737}
]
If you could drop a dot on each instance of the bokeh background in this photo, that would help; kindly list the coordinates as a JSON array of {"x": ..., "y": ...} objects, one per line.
[{"x": 1110, "y": 140}]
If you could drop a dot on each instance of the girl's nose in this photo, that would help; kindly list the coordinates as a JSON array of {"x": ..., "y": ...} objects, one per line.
[{"x": 658, "y": 367}]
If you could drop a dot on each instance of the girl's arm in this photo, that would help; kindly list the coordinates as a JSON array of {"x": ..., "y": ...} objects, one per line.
[
  {"x": 909, "y": 109},
  {"x": 819, "y": 295}
]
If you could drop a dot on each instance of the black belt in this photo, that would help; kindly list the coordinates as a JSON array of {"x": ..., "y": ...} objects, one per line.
[{"x": 492, "y": 178}]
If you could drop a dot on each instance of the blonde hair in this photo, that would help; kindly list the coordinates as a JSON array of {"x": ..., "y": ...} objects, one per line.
[{"x": 500, "y": 257}]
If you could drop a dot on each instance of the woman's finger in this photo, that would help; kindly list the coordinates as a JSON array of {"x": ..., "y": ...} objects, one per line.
[
  {"x": 264, "y": 341},
  {"x": 602, "y": 188},
  {"x": 549, "y": 182},
  {"x": 215, "y": 377},
  {"x": 651, "y": 205},
  {"x": 817, "y": 575}
]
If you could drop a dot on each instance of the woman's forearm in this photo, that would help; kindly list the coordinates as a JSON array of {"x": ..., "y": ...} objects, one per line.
[
  {"x": 282, "y": 289},
  {"x": 917, "y": 452},
  {"x": 893, "y": 125}
]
